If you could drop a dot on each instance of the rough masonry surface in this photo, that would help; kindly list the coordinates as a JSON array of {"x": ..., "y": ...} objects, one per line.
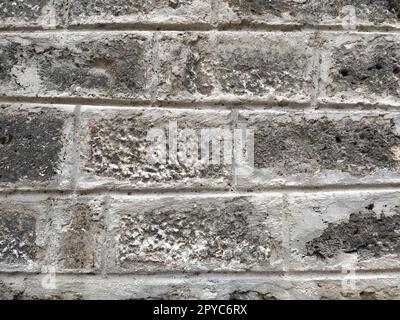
[{"x": 107, "y": 188}]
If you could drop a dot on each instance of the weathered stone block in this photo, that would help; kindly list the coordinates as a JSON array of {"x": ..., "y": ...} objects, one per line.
[
  {"x": 35, "y": 146},
  {"x": 202, "y": 234},
  {"x": 77, "y": 65},
  {"x": 273, "y": 66},
  {"x": 321, "y": 148},
  {"x": 23, "y": 235},
  {"x": 46, "y": 14},
  {"x": 348, "y": 13},
  {"x": 79, "y": 228},
  {"x": 187, "y": 66},
  {"x": 118, "y": 144},
  {"x": 353, "y": 287},
  {"x": 361, "y": 68},
  {"x": 344, "y": 231},
  {"x": 165, "y": 287},
  {"x": 140, "y": 12}
]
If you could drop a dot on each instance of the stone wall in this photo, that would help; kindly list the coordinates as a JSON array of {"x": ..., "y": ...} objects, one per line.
[{"x": 85, "y": 215}]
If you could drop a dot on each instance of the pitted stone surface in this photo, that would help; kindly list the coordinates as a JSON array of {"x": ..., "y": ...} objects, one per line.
[
  {"x": 18, "y": 235},
  {"x": 363, "y": 12},
  {"x": 357, "y": 147},
  {"x": 364, "y": 233},
  {"x": 47, "y": 14},
  {"x": 86, "y": 66},
  {"x": 362, "y": 69},
  {"x": 88, "y": 186},
  {"x": 143, "y": 11},
  {"x": 26, "y": 9},
  {"x": 262, "y": 65},
  {"x": 186, "y": 63},
  {"x": 342, "y": 230},
  {"x": 32, "y": 143},
  {"x": 117, "y": 147},
  {"x": 80, "y": 236},
  {"x": 211, "y": 234},
  {"x": 242, "y": 65},
  {"x": 304, "y": 148}
]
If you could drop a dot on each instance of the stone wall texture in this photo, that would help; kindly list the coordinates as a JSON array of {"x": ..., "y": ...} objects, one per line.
[{"x": 85, "y": 214}]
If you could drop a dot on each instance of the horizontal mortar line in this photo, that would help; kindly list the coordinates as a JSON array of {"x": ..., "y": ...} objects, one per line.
[
  {"x": 74, "y": 101},
  {"x": 209, "y": 192},
  {"x": 212, "y": 104},
  {"x": 204, "y": 275},
  {"x": 358, "y": 105},
  {"x": 193, "y": 27},
  {"x": 136, "y": 26},
  {"x": 117, "y": 192},
  {"x": 230, "y": 104},
  {"x": 305, "y": 27},
  {"x": 222, "y": 104},
  {"x": 393, "y": 187}
]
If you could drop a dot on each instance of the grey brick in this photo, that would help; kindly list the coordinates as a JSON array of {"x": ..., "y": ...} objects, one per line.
[
  {"x": 314, "y": 12},
  {"x": 23, "y": 236},
  {"x": 46, "y": 14},
  {"x": 236, "y": 65},
  {"x": 321, "y": 148},
  {"x": 115, "y": 149},
  {"x": 79, "y": 230},
  {"x": 195, "y": 234},
  {"x": 78, "y": 65},
  {"x": 140, "y": 12},
  {"x": 187, "y": 66},
  {"x": 361, "y": 68},
  {"x": 344, "y": 231},
  {"x": 35, "y": 147}
]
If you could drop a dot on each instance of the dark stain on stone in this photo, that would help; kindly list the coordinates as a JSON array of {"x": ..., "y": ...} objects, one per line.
[
  {"x": 309, "y": 146},
  {"x": 9, "y": 293},
  {"x": 196, "y": 232},
  {"x": 8, "y": 59},
  {"x": 79, "y": 238},
  {"x": 175, "y": 4},
  {"x": 375, "y": 68},
  {"x": 31, "y": 144},
  {"x": 365, "y": 233},
  {"x": 195, "y": 80},
  {"x": 316, "y": 10},
  {"x": 372, "y": 293},
  {"x": 251, "y": 295},
  {"x": 394, "y": 6},
  {"x": 17, "y": 235}
]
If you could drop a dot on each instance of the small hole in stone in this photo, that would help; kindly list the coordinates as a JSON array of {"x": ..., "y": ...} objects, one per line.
[
  {"x": 378, "y": 66},
  {"x": 396, "y": 70},
  {"x": 370, "y": 206},
  {"x": 5, "y": 139},
  {"x": 338, "y": 140},
  {"x": 344, "y": 72}
]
